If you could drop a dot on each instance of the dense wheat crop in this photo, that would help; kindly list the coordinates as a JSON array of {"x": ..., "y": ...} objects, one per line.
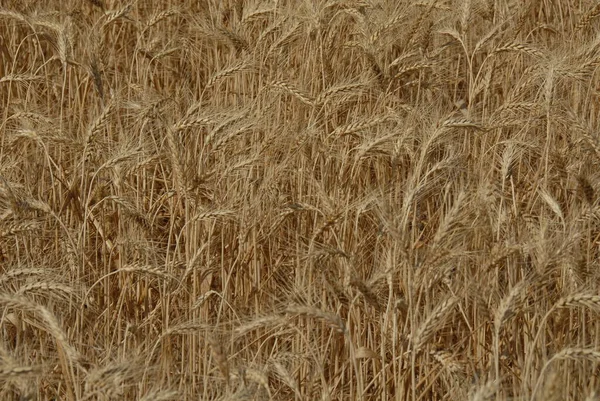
[{"x": 299, "y": 200}]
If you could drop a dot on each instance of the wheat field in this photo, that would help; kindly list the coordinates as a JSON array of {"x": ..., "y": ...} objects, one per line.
[{"x": 299, "y": 200}]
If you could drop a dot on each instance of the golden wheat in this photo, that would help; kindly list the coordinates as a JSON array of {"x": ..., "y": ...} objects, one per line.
[{"x": 201, "y": 200}]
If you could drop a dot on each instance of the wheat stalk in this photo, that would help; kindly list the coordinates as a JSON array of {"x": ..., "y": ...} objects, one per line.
[
  {"x": 432, "y": 323},
  {"x": 573, "y": 354},
  {"x": 333, "y": 320}
]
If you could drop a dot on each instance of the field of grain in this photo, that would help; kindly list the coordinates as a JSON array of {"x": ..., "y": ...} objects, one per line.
[{"x": 299, "y": 200}]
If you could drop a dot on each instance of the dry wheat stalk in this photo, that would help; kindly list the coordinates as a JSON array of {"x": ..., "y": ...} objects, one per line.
[
  {"x": 432, "y": 323},
  {"x": 192, "y": 122},
  {"x": 447, "y": 360},
  {"x": 286, "y": 377},
  {"x": 367, "y": 293},
  {"x": 333, "y": 320},
  {"x": 132, "y": 212},
  {"x": 587, "y": 300},
  {"x": 225, "y": 138},
  {"x": 576, "y": 354},
  {"x": 19, "y": 78},
  {"x": 192, "y": 327},
  {"x": 587, "y": 189},
  {"x": 54, "y": 289},
  {"x": 303, "y": 97},
  {"x": 113, "y": 15},
  {"x": 160, "y": 16},
  {"x": 202, "y": 298},
  {"x": 352, "y": 89},
  {"x": 285, "y": 39},
  {"x": 510, "y": 304},
  {"x": 22, "y": 272},
  {"x": 145, "y": 269},
  {"x": 218, "y": 353},
  {"x": 360, "y": 125},
  {"x": 259, "y": 378},
  {"x": 238, "y": 42},
  {"x": 48, "y": 322},
  {"x": 265, "y": 33},
  {"x": 573, "y": 354},
  {"x": 257, "y": 14},
  {"x": 411, "y": 68},
  {"x": 108, "y": 380},
  {"x": 484, "y": 392},
  {"x": 258, "y": 323},
  {"x": 133, "y": 151},
  {"x": 519, "y": 47},
  {"x": 227, "y": 72},
  {"x": 11, "y": 372},
  {"x": 15, "y": 15},
  {"x": 161, "y": 395},
  {"x": 588, "y": 17}
]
